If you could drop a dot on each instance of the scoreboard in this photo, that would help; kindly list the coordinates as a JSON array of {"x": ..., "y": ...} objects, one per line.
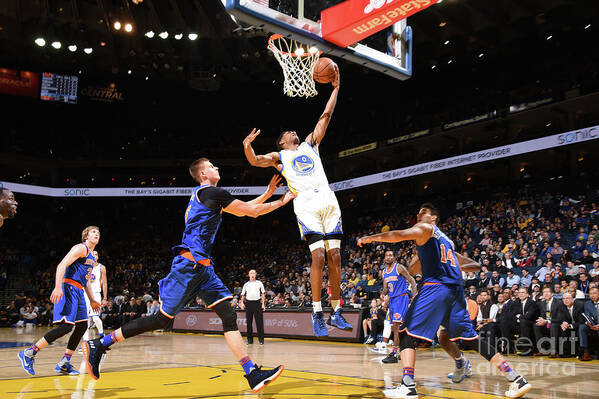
[{"x": 61, "y": 88}]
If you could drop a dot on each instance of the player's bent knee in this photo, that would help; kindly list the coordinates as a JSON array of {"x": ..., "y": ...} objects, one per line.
[
  {"x": 405, "y": 341},
  {"x": 227, "y": 315}
]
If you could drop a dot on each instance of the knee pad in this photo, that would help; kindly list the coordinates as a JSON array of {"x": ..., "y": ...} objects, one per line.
[
  {"x": 332, "y": 243},
  {"x": 405, "y": 341},
  {"x": 60, "y": 331},
  {"x": 482, "y": 346},
  {"x": 227, "y": 314},
  {"x": 316, "y": 245}
]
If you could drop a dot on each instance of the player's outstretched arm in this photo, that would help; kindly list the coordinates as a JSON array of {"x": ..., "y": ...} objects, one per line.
[
  {"x": 78, "y": 251},
  {"x": 317, "y": 135},
  {"x": 420, "y": 233},
  {"x": 263, "y": 161},
  {"x": 274, "y": 183},
  {"x": 467, "y": 264},
  {"x": 241, "y": 208}
]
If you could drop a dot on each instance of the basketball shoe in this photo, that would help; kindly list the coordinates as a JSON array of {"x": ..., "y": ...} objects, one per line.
[
  {"x": 401, "y": 391},
  {"x": 66, "y": 368},
  {"x": 26, "y": 362},
  {"x": 518, "y": 388},
  {"x": 319, "y": 325},
  {"x": 460, "y": 373},
  {"x": 337, "y": 320},
  {"x": 93, "y": 353},
  {"x": 258, "y": 378}
]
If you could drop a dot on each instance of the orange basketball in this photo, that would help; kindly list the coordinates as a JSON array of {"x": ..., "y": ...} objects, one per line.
[{"x": 324, "y": 70}]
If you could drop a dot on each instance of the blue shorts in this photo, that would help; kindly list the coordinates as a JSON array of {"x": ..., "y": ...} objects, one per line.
[
  {"x": 187, "y": 280},
  {"x": 71, "y": 308},
  {"x": 398, "y": 307},
  {"x": 436, "y": 305}
]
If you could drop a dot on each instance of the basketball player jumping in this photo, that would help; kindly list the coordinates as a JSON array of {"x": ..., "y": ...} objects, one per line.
[
  {"x": 316, "y": 207},
  {"x": 8, "y": 205},
  {"x": 441, "y": 301},
  {"x": 72, "y": 278},
  {"x": 192, "y": 273},
  {"x": 99, "y": 284}
]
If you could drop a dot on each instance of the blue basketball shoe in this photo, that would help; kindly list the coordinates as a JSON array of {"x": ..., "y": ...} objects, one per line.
[
  {"x": 66, "y": 368},
  {"x": 258, "y": 378},
  {"x": 26, "y": 362},
  {"x": 319, "y": 325},
  {"x": 337, "y": 320}
]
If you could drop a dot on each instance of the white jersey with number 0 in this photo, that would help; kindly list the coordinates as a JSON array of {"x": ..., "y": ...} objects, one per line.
[
  {"x": 303, "y": 169},
  {"x": 95, "y": 279}
]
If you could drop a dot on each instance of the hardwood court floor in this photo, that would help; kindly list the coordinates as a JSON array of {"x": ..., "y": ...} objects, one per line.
[{"x": 181, "y": 366}]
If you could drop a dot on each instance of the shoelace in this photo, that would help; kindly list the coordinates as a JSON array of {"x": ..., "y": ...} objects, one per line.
[{"x": 321, "y": 322}]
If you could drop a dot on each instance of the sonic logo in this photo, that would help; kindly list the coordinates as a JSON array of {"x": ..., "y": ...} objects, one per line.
[{"x": 303, "y": 164}]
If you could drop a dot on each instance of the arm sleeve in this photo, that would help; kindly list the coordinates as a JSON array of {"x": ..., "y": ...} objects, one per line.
[{"x": 215, "y": 197}]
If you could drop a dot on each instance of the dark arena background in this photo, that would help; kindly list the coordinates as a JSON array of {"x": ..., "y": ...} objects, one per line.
[{"x": 104, "y": 105}]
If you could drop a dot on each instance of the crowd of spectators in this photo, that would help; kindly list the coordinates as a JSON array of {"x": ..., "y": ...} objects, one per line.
[{"x": 523, "y": 241}]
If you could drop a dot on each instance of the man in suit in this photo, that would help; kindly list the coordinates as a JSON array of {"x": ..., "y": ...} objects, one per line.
[
  {"x": 572, "y": 323},
  {"x": 526, "y": 312},
  {"x": 590, "y": 327},
  {"x": 507, "y": 321},
  {"x": 552, "y": 314}
]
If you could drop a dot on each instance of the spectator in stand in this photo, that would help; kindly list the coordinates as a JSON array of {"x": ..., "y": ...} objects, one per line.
[
  {"x": 508, "y": 261},
  {"x": 543, "y": 270},
  {"x": 557, "y": 291},
  {"x": 28, "y": 314},
  {"x": 470, "y": 279},
  {"x": 552, "y": 314},
  {"x": 582, "y": 235},
  {"x": 573, "y": 284},
  {"x": 589, "y": 328},
  {"x": 577, "y": 249},
  {"x": 496, "y": 279},
  {"x": 473, "y": 293},
  {"x": 594, "y": 272},
  {"x": 583, "y": 283},
  {"x": 45, "y": 316},
  {"x": 536, "y": 295},
  {"x": 557, "y": 274},
  {"x": 526, "y": 279},
  {"x": 556, "y": 251},
  {"x": 484, "y": 281},
  {"x": 585, "y": 259},
  {"x": 486, "y": 317},
  {"x": 512, "y": 279},
  {"x": 591, "y": 245},
  {"x": 574, "y": 319},
  {"x": 495, "y": 293}
]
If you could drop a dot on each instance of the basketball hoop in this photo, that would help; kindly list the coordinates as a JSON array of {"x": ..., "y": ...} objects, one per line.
[{"x": 297, "y": 62}]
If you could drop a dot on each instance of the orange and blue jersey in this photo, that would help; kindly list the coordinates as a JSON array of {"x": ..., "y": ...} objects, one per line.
[
  {"x": 439, "y": 261},
  {"x": 201, "y": 226},
  {"x": 397, "y": 289},
  {"x": 71, "y": 308}
]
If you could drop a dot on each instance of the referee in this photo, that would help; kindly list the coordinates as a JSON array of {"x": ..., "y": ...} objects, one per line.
[{"x": 253, "y": 294}]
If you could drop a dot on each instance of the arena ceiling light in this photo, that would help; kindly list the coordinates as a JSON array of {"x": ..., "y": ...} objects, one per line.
[
  {"x": 56, "y": 44},
  {"x": 117, "y": 25},
  {"x": 128, "y": 27},
  {"x": 163, "y": 35},
  {"x": 192, "y": 36},
  {"x": 149, "y": 34},
  {"x": 88, "y": 50},
  {"x": 40, "y": 41},
  {"x": 72, "y": 48},
  {"x": 179, "y": 36}
]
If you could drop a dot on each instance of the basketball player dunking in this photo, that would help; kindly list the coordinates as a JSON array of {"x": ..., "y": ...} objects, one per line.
[
  {"x": 440, "y": 302},
  {"x": 72, "y": 279},
  {"x": 99, "y": 284},
  {"x": 192, "y": 273},
  {"x": 316, "y": 207}
]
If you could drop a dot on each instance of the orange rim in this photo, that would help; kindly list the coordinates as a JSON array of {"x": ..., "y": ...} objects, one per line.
[{"x": 272, "y": 46}]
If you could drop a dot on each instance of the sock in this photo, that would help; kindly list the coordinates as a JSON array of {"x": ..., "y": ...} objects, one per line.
[
  {"x": 510, "y": 373},
  {"x": 247, "y": 365},
  {"x": 32, "y": 351},
  {"x": 408, "y": 376},
  {"x": 317, "y": 306},
  {"x": 65, "y": 359},
  {"x": 335, "y": 304},
  {"x": 109, "y": 339},
  {"x": 460, "y": 362},
  {"x": 394, "y": 351}
]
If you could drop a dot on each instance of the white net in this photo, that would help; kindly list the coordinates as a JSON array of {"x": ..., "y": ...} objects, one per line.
[{"x": 297, "y": 62}]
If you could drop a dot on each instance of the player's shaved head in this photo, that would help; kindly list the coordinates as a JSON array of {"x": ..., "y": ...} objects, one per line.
[{"x": 196, "y": 167}]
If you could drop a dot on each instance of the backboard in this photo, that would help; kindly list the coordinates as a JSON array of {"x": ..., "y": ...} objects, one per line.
[{"x": 299, "y": 20}]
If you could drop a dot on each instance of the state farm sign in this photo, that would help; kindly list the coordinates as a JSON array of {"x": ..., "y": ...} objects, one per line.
[{"x": 353, "y": 20}]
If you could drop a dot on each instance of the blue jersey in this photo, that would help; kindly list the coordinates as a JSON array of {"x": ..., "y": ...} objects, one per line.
[
  {"x": 438, "y": 260},
  {"x": 201, "y": 225},
  {"x": 396, "y": 283},
  {"x": 80, "y": 270}
]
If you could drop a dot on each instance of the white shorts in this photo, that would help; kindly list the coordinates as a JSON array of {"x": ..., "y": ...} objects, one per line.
[
  {"x": 318, "y": 213},
  {"x": 97, "y": 298}
]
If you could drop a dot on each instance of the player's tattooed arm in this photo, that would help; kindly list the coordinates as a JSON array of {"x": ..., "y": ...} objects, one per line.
[
  {"x": 404, "y": 272},
  {"x": 467, "y": 264},
  {"x": 420, "y": 232},
  {"x": 262, "y": 161},
  {"x": 317, "y": 135},
  {"x": 275, "y": 182},
  {"x": 78, "y": 251}
]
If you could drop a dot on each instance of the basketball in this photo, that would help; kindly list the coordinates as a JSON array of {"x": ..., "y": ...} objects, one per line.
[{"x": 324, "y": 70}]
